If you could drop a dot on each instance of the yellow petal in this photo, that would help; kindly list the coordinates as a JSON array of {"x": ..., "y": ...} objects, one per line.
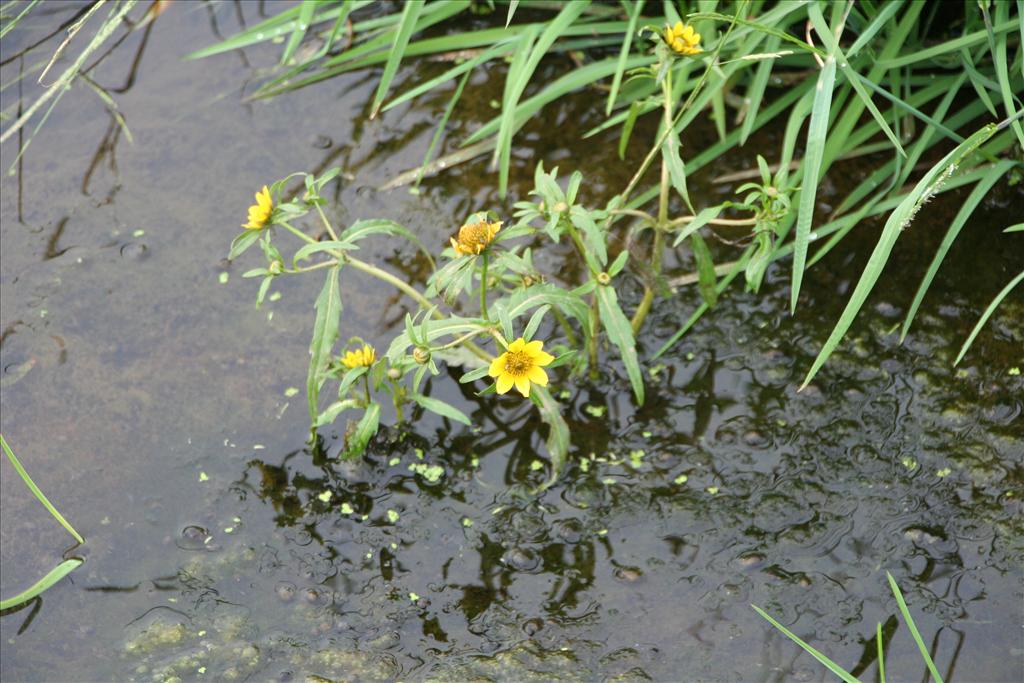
[
  {"x": 542, "y": 359},
  {"x": 678, "y": 28},
  {"x": 523, "y": 386},
  {"x": 497, "y": 365},
  {"x": 538, "y": 376},
  {"x": 517, "y": 345},
  {"x": 505, "y": 382},
  {"x": 694, "y": 39},
  {"x": 534, "y": 347}
]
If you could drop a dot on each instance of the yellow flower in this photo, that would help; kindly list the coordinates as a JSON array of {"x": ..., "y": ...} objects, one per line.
[
  {"x": 682, "y": 39},
  {"x": 473, "y": 238},
  {"x": 522, "y": 364},
  {"x": 259, "y": 213},
  {"x": 360, "y": 358}
]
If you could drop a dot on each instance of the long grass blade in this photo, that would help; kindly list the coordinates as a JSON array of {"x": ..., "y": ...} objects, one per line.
[
  {"x": 306, "y": 10},
  {"x": 965, "y": 212},
  {"x": 410, "y": 13},
  {"x": 816, "y": 134},
  {"x": 898, "y": 220},
  {"x": 512, "y": 6},
  {"x": 43, "y": 584},
  {"x": 325, "y": 332},
  {"x": 832, "y": 666},
  {"x": 35, "y": 490},
  {"x": 881, "y": 652},
  {"x": 627, "y": 42},
  {"x": 968, "y": 40},
  {"x": 519, "y": 75},
  {"x": 912, "y": 626},
  {"x": 14, "y": 22},
  {"x": 988, "y": 314}
]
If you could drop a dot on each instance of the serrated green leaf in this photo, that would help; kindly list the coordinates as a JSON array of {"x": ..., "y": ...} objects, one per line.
[
  {"x": 325, "y": 333},
  {"x": 620, "y": 332}
]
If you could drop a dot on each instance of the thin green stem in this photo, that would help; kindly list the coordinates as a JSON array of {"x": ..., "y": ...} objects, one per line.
[
  {"x": 483, "y": 288},
  {"x": 327, "y": 223}
]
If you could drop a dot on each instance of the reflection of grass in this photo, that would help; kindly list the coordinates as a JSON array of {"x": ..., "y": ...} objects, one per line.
[
  {"x": 62, "y": 569},
  {"x": 842, "y": 673}
]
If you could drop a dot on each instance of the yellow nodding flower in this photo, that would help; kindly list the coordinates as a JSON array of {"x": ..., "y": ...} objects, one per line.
[
  {"x": 682, "y": 39},
  {"x": 521, "y": 365},
  {"x": 259, "y": 213},
  {"x": 360, "y": 358},
  {"x": 473, "y": 238}
]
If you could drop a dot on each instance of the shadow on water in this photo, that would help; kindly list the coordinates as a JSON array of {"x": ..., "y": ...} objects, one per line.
[{"x": 153, "y": 404}]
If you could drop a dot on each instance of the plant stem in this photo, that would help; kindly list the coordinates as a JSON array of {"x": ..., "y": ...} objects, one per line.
[
  {"x": 663, "y": 222},
  {"x": 385, "y": 276},
  {"x": 483, "y": 289}
]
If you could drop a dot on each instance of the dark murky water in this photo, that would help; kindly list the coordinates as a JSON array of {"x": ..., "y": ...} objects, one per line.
[{"x": 150, "y": 403}]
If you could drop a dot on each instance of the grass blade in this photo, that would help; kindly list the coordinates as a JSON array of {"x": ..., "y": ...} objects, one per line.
[
  {"x": 832, "y": 666},
  {"x": 910, "y": 622},
  {"x": 38, "y": 494},
  {"x": 972, "y": 201},
  {"x": 987, "y": 314},
  {"x": 755, "y": 92},
  {"x": 54, "y": 575},
  {"x": 898, "y": 220},
  {"x": 627, "y": 41},
  {"x": 410, "y": 13},
  {"x": 306, "y": 10},
  {"x": 519, "y": 75},
  {"x": 511, "y": 11},
  {"x": 881, "y": 652},
  {"x": 816, "y": 134}
]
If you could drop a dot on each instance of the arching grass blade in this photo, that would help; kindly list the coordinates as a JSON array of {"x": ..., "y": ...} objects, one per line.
[
  {"x": 987, "y": 314},
  {"x": 35, "y": 490},
  {"x": 54, "y": 575}
]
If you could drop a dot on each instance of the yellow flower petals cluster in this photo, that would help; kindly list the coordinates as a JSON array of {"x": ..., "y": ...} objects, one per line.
[
  {"x": 682, "y": 39},
  {"x": 473, "y": 238},
  {"x": 360, "y": 358},
  {"x": 521, "y": 365},
  {"x": 259, "y": 213}
]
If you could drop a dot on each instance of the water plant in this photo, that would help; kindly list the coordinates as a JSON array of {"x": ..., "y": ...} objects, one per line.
[
  {"x": 895, "y": 78},
  {"x": 879, "y": 641},
  {"x": 63, "y": 568}
]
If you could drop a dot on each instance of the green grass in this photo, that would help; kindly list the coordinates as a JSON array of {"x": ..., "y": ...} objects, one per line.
[
  {"x": 884, "y": 77},
  {"x": 838, "y": 670},
  {"x": 62, "y": 569}
]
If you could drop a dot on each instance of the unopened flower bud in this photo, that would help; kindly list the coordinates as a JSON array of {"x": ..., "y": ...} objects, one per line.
[
  {"x": 603, "y": 278},
  {"x": 276, "y": 267},
  {"x": 394, "y": 374},
  {"x": 560, "y": 207},
  {"x": 421, "y": 355}
]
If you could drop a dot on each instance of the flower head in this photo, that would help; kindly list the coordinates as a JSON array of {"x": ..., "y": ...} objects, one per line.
[
  {"x": 522, "y": 364},
  {"x": 259, "y": 213},
  {"x": 473, "y": 238},
  {"x": 360, "y": 358},
  {"x": 682, "y": 39}
]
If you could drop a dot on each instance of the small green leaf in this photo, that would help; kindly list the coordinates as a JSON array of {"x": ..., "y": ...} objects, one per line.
[
  {"x": 325, "y": 332},
  {"x": 707, "y": 279},
  {"x": 443, "y": 409},
  {"x": 364, "y": 431},
  {"x": 620, "y": 332}
]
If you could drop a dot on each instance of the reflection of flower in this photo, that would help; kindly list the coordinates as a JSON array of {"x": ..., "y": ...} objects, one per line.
[
  {"x": 522, "y": 364},
  {"x": 360, "y": 358},
  {"x": 682, "y": 39},
  {"x": 473, "y": 238},
  {"x": 259, "y": 213}
]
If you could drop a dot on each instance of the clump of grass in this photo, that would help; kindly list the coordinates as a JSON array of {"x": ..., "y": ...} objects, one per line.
[
  {"x": 905, "y": 79},
  {"x": 845, "y": 675},
  {"x": 62, "y": 569}
]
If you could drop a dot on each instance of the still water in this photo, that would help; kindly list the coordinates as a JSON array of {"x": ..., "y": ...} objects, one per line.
[{"x": 152, "y": 403}]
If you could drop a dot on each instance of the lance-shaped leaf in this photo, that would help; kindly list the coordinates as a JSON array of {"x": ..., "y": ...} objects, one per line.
[
  {"x": 325, "y": 333},
  {"x": 620, "y": 331}
]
